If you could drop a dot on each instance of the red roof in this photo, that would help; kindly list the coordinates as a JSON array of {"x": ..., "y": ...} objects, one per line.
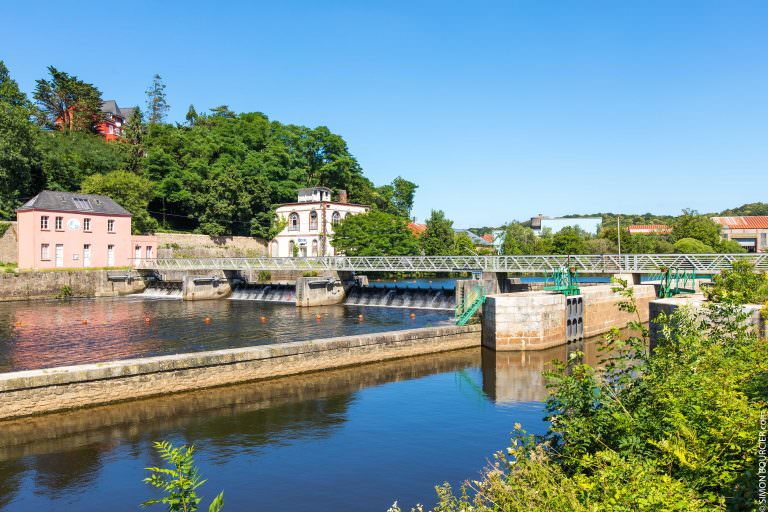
[
  {"x": 417, "y": 229},
  {"x": 650, "y": 228},
  {"x": 754, "y": 222},
  {"x": 488, "y": 238}
]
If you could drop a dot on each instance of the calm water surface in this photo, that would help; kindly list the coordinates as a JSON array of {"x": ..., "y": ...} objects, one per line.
[
  {"x": 52, "y": 333},
  {"x": 352, "y": 439}
]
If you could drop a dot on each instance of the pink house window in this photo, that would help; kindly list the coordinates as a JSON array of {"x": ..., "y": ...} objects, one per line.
[
  {"x": 59, "y": 223},
  {"x": 110, "y": 226},
  {"x": 45, "y": 253},
  {"x": 86, "y": 224},
  {"x": 44, "y": 222},
  {"x": 149, "y": 252}
]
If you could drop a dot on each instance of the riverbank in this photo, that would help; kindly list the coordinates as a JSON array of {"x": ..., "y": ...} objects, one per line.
[
  {"x": 32, "y": 392},
  {"x": 66, "y": 283}
]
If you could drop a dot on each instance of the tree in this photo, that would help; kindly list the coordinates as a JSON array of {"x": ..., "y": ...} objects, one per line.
[
  {"x": 403, "y": 192},
  {"x": 130, "y": 191},
  {"x": 462, "y": 245},
  {"x": 519, "y": 239},
  {"x": 19, "y": 154},
  {"x": 438, "y": 239},
  {"x": 191, "y": 115},
  {"x": 157, "y": 104},
  {"x": 692, "y": 246},
  {"x": 569, "y": 240},
  {"x": 68, "y": 103},
  {"x": 693, "y": 225},
  {"x": 134, "y": 136},
  {"x": 374, "y": 234}
]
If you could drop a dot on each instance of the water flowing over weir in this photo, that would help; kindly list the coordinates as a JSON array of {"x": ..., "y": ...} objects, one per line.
[
  {"x": 285, "y": 293},
  {"x": 163, "y": 289},
  {"x": 401, "y": 297}
]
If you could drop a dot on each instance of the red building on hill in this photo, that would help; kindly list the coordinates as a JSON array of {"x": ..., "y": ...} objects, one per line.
[{"x": 115, "y": 119}]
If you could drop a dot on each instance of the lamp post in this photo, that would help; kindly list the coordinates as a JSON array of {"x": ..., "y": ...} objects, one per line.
[{"x": 618, "y": 232}]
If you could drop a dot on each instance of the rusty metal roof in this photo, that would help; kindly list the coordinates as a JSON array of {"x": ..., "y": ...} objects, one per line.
[{"x": 753, "y": 222}]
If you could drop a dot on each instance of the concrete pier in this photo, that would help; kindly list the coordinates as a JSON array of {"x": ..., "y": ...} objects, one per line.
[{"x": 538, "y": 320}]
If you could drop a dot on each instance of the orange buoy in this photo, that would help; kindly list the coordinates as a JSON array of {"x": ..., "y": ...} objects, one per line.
[
  {"x": 317, "y": 317},
  {"x": 85, "y": 322},
  {"x": 413, "y": 315},
  {"x": 359, "y": 317},
  {"x": 18, "y": 323},
  {"x": 147, "y": 319},
  {"x": 207, "y": 320},
  {"x": 263, "y": 319}
]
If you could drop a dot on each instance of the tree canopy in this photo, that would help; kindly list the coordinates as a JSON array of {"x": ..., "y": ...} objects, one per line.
[{"x": 375, "y": 233}]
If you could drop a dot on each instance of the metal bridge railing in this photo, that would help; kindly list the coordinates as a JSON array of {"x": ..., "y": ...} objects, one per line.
[{"x": 582, "y": 263}]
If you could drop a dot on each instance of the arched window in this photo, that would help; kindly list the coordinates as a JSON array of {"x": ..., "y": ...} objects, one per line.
[
  {"x": 274, "y": 249},
  {"x": 293, "y": 222},
  {"x": 291, "y": 249},
  {"x": 314, "y": 247},
  {"x": 313, "y": 220},
  {"x": 335, "y": 218}
]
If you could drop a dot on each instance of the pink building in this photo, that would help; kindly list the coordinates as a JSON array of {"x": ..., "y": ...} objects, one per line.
[{"x": 70, "y": 230}]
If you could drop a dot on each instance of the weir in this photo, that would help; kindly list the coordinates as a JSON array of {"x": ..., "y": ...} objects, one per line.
[
  {"x": 283, "y": 293},
  {"x": 401, "y": 297}
]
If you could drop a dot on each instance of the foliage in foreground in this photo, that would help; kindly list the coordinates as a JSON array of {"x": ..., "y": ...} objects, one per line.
[
  {"x": 740, "y": 285},
  {"x": 672, "y": 430},
  {"x": 180, "y": 481}
]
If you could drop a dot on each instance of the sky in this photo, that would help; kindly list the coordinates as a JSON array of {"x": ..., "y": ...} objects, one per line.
[{"x": 497, "y": 110}]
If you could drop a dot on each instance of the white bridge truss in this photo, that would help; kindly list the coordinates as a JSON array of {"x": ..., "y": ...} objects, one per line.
[{"x": 585, "y": 264}]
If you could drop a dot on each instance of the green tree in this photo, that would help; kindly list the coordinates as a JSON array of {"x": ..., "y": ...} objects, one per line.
[
  {"x": 743, "y": 284},
  {"x": 462, "y": 245},
  {"x": 692, "y": 246},
  {"x": 519, "y": 239},
  {"x": 191, "y": 116},
  {"x": 374, "y": 234},
  {"x": 403, "y": 193},
  {"x": 438, "y": 238},
  {"x": 157, "y": 103},
  {"x": 130, "y": 191},
  {"x": 134, "y": 137},
  {"x": 693, "y": 225},
  {"x": 19, "y": 153},
  {"x": 68, "y": 103},
  {"x": 569, "y": 240}
]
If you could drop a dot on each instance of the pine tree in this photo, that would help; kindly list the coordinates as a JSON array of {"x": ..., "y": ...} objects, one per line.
[
  {"x": 157, "y": 105},
  {"x": 191, "y": 115}
]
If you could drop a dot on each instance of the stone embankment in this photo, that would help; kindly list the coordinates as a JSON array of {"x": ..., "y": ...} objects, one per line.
[
  {"x": 34, "y": 392},
  {"x": 67, "y": 283}
]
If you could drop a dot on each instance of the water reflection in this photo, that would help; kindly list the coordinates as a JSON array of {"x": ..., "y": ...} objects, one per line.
[
  {"x": 388, "y": 430},
  {"x": 53, "y": 333}
]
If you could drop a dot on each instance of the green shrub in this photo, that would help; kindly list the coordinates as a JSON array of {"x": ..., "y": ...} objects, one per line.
[
  {"x": 692, "y": 246},
  {"x": 265, "y": 275},
  {"x": 4, "y": 227},
  {"x": 740, "y": 285}
]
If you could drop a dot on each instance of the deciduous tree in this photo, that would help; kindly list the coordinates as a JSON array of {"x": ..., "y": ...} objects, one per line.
[{"x": 374, "y": 234}]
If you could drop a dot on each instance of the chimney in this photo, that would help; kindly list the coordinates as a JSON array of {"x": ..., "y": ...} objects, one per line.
[{"x": 343, "y": 196}]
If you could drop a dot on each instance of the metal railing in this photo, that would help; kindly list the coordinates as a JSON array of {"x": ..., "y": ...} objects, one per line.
[{"x": 584, "y": 264}]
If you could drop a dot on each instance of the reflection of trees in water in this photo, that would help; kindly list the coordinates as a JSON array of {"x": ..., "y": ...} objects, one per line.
[
  {"x": 10, "y": 480},
  {"x": 62, "y": 471}
]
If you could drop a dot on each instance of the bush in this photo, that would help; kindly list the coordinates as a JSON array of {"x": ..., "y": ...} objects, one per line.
[
  {"x": 674, "y": 430},
  {"x": 692, "y": 246},
  {"x": 740, "y": 285}
]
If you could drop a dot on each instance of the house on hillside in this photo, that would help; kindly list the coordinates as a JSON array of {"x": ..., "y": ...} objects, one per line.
[
  {"x": 115, "y": 119},
  {"x": 310, "y": 222},
  {"x": 72, "y": 230},
  {"x": 750, "y": 232}
]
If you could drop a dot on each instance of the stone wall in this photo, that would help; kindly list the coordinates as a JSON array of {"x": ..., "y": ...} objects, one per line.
[
  {"x": 78, "y": 283},
  {"x": 9, "y": 245},
  {"x": 189, "y": 245},
  {"x": 319, "y": 291},
  {"x": 55, "y": 389}
]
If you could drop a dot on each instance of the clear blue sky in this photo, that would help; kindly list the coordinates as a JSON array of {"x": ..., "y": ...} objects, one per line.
[{"x": 498, "y": 110}]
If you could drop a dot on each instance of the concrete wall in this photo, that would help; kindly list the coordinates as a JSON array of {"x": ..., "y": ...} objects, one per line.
[
  {"x": 213, "y": 285},
  {"x": 319, "y": 291},
  {"x": 537, "y": 320},
  {"x": 189, "y": 245},
  {"x": 9, "y": 251},
  {"x": 41, "y": 391},
  {"x": 81, "y": 283}
]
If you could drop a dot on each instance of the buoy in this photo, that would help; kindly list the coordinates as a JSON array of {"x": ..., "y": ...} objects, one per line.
[
  {"x": 263, "y": 319},
  {"x": 207, "y": 320},
  {"x": 147, "y": 319},
  {"x": 317, "y": 317},
  {"x": 85, "y": 322},
  {"x": 359, "y": 317},
  {"x": 413, "y": 315},
  {"x": 18, "y": 323}
]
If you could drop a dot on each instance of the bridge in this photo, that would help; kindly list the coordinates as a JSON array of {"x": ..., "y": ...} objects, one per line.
[{"x": 584, "y": 264}]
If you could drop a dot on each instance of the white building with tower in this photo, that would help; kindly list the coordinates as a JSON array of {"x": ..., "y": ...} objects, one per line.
[{"x": 310, "y": 222}]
